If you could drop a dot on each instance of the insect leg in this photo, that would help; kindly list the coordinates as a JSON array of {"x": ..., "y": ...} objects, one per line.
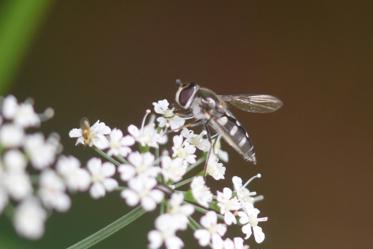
[
  {"x": 189, "y": 125},
  {"x": 215, "y": 137},
  {"x": 209, "y": 137}
]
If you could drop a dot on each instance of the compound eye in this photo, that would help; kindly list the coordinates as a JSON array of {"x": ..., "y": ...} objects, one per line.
[{"x": 186, "y": 94}]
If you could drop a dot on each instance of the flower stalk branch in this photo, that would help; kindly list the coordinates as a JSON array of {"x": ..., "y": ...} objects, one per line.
[{"x": 110, "y": 229}]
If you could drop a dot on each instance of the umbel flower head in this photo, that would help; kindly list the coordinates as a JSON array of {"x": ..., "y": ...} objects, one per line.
[
  {"x": 159, "y": 166},
  {"x": 174, "y": 177}
]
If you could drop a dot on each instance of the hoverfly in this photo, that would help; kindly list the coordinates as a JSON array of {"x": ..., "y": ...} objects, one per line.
[{"x": 211, "y": 110}]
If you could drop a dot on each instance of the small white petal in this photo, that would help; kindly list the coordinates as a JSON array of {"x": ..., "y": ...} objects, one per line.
[
  {"x": 10, "y": 107},
  {"x": 128, "y": 141},
  {"x": 15, "y": 160},
  {"x": 108, "y": 169},
  {"x": 246, "y": 229},
  {"x": 157, "y": 195},
  {"x": 97, "y": 190},
  {"x": 94, "y": 166},
  {"x": 130, "y": 196},
  {"x": 29, "y": 219},
  {"x": 133, "y": 130},
  {"x": 11, "y": 135},
  {"x": 155, "y": 238},
  {"x": 110, "y": 184},
  {"x": 148, "y": 203},
  {"x": 174, "y": 243},
  {"x": 258, "y": 234},
  {"x": 176, "y": 122},
  {"x": 126, "y": 172},
  {"x": 100, "y": 141},
  {"x": 203, "y": 236},
  {"x": 74, "y": 133}
]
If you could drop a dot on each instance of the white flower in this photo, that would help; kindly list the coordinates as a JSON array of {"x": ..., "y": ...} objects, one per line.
[
  {"x": 140, "y": 165},
  {"x": 236, "y": 243},
  {"x": 244, "y": 195},
  {"x": 119, "y": 145},
  {"x": 249, "y": 219},
  {"x": 9, "y": 106},
  {"x": 173, "y": 169},
  {"x": 214, "y": 168},
  {"x": 101, "y": 177},
  {"x": 179, "y": 211},
  {"x": 29, "y": 219},
  {"x": 183, "y": 149},
  {"x": 197, "y": 140},
  {"x": 165, "y": 233},
  {"x": 17, "y": 184},
  {"x": 200, "y": 191},
  {"x": 141, "y": 190},
  {"x": 147, "y": 135},
  {"x": 175, "y": 122},
  {"x": 227, "y": 203},
  {"x": 23, "y": 114},
  {"x": 161, "y": 107},
  {"x": 42, "y": 152},
  {"x": 222, "y": 155},
  {"x": 168, "y": 115},
  {"x": 52, "y": 191},
  {"x": 11, "y": 135},
  {"x": 93, "y": 136},
  {"x": 76, "y": 178},
  {"x": 211, "y": 232},
  {"x": 15, "y": 160}
]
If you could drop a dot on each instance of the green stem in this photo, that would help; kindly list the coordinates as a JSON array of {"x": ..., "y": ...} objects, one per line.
[
  {"x": 183, "y": 182},
  {"x": 204, "y": 211},
  {"x": 163, "y": 207},
  {"x": 110, "y": 229},
  {"x": 106, "y": 156},
  {"x": 193, "y": 223},
  {"x": 122, "y": 159},
  {"x": 120, "y": 188},
  {"x": 196, "y": 164}
]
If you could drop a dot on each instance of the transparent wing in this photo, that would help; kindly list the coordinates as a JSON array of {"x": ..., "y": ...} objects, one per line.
[{"x": 260, "y": 103}]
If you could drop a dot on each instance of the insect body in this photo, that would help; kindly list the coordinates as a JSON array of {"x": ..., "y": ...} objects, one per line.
[
  {"x": 86, "y": 133},
  {"x": 211, "y": 110}
]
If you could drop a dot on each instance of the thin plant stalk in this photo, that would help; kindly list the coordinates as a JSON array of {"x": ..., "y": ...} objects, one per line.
[
  {"x": 193, "y": 223},
  {"x": 110, "y": 229},
  {"x": 196, "y": 164},
  {"x": 106, "y": 156},
  {"x": 183, "y": 182}
]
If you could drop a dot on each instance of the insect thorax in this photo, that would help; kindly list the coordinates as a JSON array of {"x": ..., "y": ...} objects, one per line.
[
  {"x": 206, "y": 104},
  {"x": 198, "y": 110}
]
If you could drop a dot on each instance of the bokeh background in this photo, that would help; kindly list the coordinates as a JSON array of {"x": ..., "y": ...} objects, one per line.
[{"x": 109, "y": 60}]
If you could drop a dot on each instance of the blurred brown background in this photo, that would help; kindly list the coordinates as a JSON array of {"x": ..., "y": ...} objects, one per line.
[{"x": 109, "y": 60}]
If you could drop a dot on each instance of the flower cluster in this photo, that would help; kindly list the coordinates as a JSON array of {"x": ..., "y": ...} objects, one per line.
[
  {"x": 30, "y": 186},
  {"x": 149, "y": 173},
  {"x": 162, "y": 164}
]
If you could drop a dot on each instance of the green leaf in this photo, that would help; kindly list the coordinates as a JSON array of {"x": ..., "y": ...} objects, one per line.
[
  {"x": 110, "y": 229},
  {"x": 19, "y": 20}
]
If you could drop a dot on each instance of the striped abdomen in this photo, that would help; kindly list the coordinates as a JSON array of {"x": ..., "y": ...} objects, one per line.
[{"x": 233, "y": 133}]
